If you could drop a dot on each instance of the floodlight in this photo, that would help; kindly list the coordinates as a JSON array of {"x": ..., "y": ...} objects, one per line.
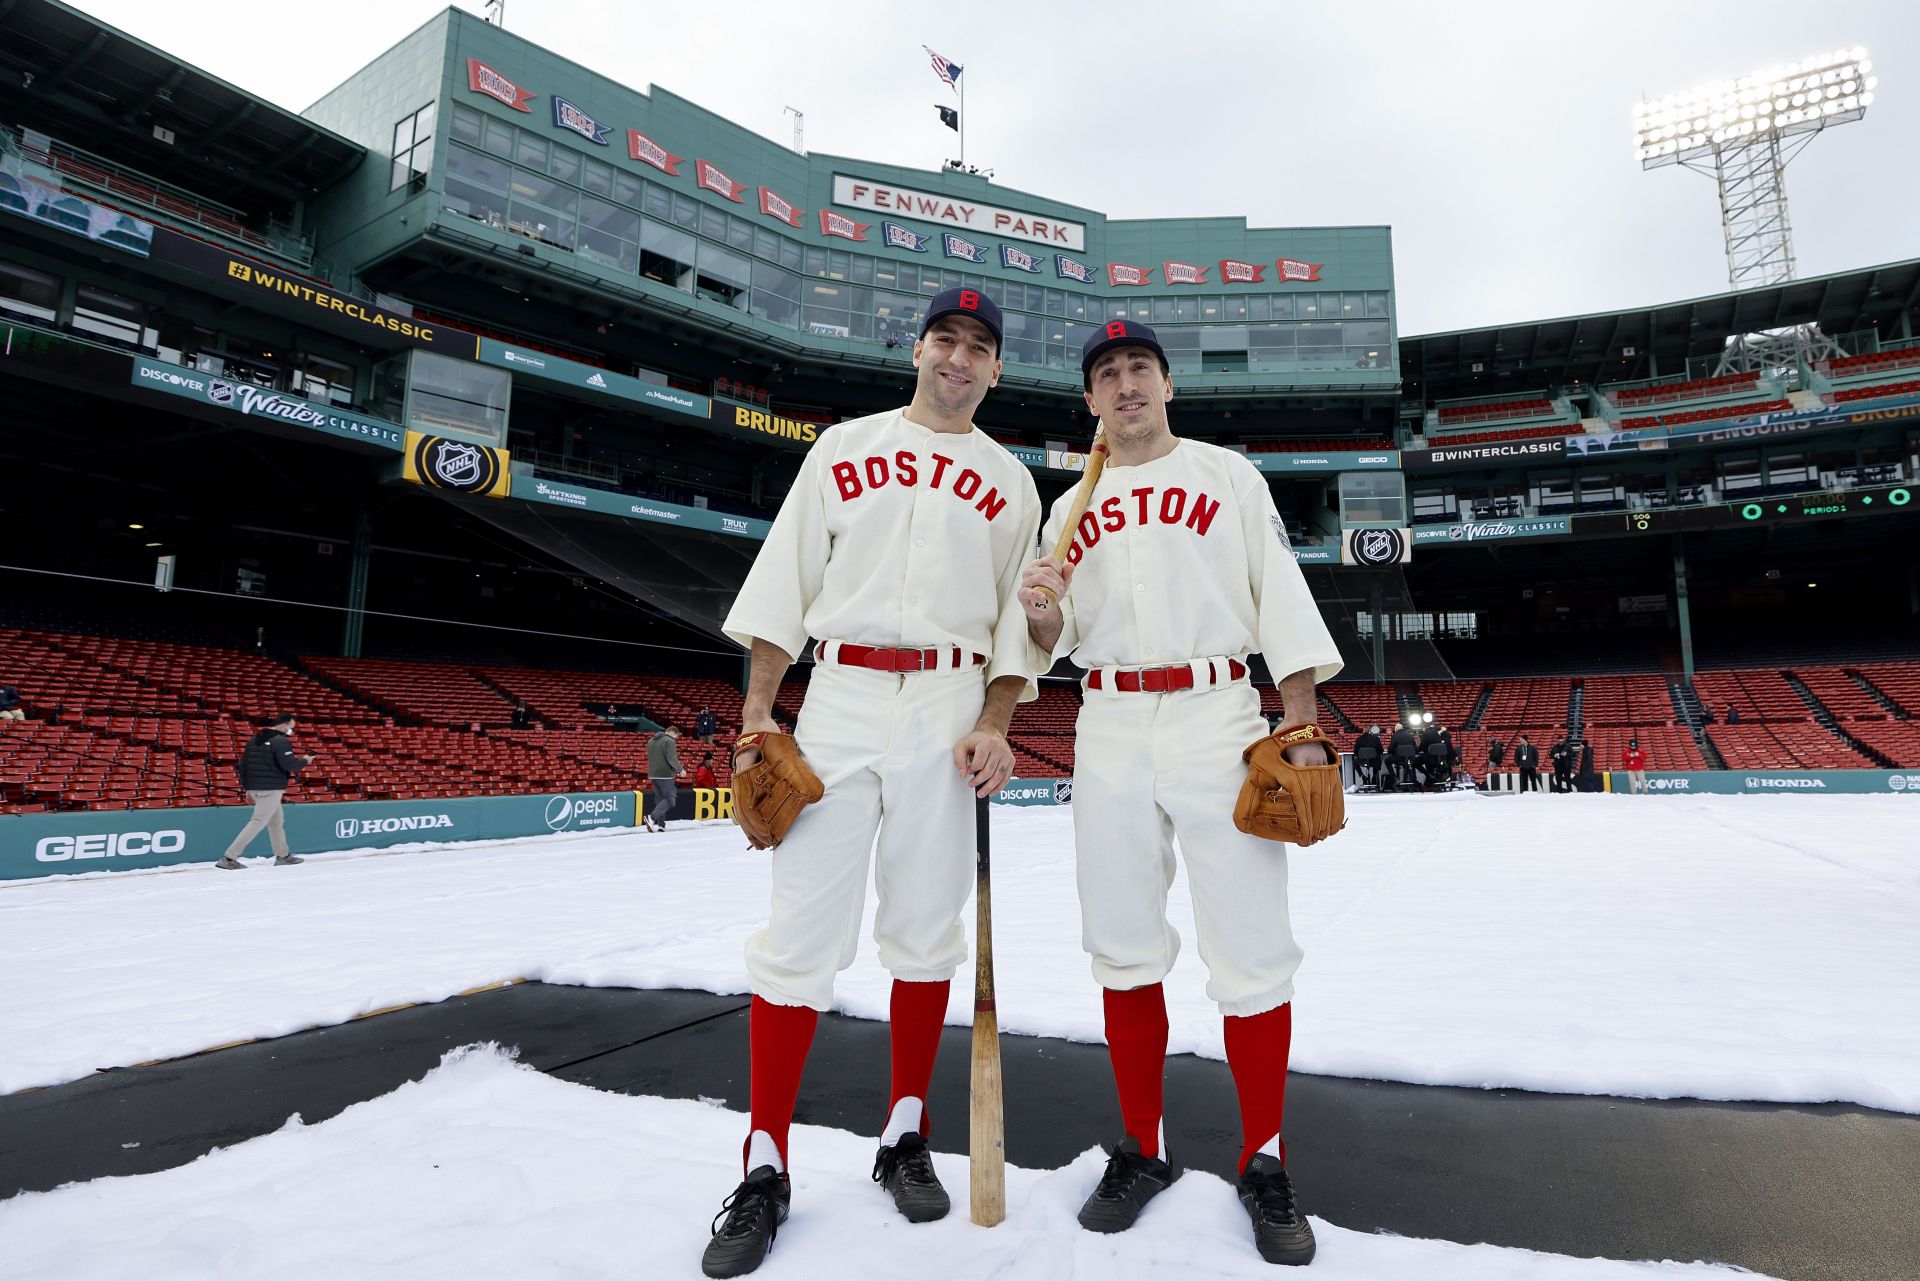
[{"x": 1743, "y": 132}]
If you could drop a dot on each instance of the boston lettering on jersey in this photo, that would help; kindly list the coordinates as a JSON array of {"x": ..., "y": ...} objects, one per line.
[
  {"x": 875, "y": 472},
  {"x": 1172, "y": 508}
]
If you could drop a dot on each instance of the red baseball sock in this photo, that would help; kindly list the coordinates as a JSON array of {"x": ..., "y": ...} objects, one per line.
[
  {"x": 917, "y": 1012},
  {"x": 1257, "y": 1049},
  {"x": 779, "y": 1036},
  {"x": 1137, "y": 1043}
]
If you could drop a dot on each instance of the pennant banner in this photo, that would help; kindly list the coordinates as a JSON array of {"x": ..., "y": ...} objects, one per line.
[
  {"x": 897, "y": 237},
  {"x": 568, "y": 116},
  {"x": 1119, "y": 273},
  {"x": 484, "y": 79},
  {"x": 1235, "y": 272},
  {"x": 1294, "y": 269},
  {"x": 1184, "y": 273},
  {"x": 835, "y": 224},
  {"x": 960, "y": 247},
  {"x": 1072, "y": 269},
  {"x": 1019, "y": 259},
  {"x": 647, "y": 151},
  {"x": 773, "y": 206},
  {"x": 713, "y": 180}
]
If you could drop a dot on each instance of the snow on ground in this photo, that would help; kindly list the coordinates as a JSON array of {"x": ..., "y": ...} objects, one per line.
[
  {"x": 488, "y": 1169},
  {"x": 1712, "y": 947}
]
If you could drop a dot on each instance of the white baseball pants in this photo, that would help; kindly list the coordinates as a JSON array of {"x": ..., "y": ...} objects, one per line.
[
  {"x": 1153, "y": 768},
  {"x": 882, "y": 744}
]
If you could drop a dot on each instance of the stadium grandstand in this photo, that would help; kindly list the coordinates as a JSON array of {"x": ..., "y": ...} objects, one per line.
[{"x": 235, "y": 342}]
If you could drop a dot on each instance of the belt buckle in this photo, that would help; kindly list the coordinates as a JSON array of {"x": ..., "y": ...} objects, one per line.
[{"x": 1154, "y": 680}]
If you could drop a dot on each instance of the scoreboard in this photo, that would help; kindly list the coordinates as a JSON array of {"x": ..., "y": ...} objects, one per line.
[{"x": 1776, "y": 510}]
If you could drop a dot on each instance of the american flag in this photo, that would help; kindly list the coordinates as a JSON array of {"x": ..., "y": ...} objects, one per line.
[{"x": 947, "y": 71}]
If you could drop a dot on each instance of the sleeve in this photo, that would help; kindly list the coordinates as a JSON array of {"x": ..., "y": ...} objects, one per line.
[
  {"x": 1292, "y": 635},
  {"x": 1039, "y": 659},
  {"x": 673, "y": 756},
  {"x": 1012, "y": 647},
  {"x": 787, "y": 574},
  {"x": 283, "y": 757}
]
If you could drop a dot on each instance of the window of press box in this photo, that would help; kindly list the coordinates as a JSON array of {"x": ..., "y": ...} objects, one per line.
[
  {"x": 412, "y": 147},
  {"x": 1372, "y": 498},
  {"x": 476, "y": 186},
  {"x": 112, "y": 317},
  {"x": 29, "y": 293},
  {"x": 443, "y": 395}
]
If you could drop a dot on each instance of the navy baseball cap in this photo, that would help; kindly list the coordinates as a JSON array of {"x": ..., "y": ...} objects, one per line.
[
  {"x": 965, "y": 302},
  {"x": 1119, "y": 333}
]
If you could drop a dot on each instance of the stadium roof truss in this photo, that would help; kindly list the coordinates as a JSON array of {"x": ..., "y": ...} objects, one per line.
[{"x": 74, "y": 77}]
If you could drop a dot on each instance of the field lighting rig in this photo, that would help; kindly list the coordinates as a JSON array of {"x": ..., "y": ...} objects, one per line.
[{"x": 1742, "y": 133}]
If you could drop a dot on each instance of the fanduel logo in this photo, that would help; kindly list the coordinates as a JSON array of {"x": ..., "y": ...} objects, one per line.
[
  {"x": 58, "y": 849},
  {"x": 1752, "y": 781},
  {"x": 349, "y": 827}
]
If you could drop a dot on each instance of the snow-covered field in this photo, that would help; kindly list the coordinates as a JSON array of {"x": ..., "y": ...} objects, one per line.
[
  {"x": 486, "y": 1169},
  {"x": 1757, "y": 948}
]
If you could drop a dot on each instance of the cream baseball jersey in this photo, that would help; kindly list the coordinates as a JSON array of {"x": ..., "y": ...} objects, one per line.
[
  {"x": 1182, "y": 558},
  {"x": 894, "y": 534}
]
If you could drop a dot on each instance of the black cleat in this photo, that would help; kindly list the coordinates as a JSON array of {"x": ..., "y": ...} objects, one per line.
[
  {"x": 1280, "y": 1232},
  {"x": 1130, "y": 1181},
  {"x": 752, "y": 1218},
  {"x": 906, "y": 1170}
]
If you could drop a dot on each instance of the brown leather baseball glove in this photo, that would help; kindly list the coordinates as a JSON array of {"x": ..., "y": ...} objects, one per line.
[
  {"x": 1300, "y": 804},
  {"x": 770, "y": 793}
]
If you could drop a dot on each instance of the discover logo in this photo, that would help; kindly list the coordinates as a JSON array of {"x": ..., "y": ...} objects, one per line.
[{"x": 59, "y": 849}]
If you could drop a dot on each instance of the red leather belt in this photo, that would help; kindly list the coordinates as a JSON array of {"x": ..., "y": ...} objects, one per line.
[
  {"x": 884, "y": 659},
  {"x": 1159, "y": 680}
]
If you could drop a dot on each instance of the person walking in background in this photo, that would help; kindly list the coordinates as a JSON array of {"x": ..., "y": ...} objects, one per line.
[
  {"x": 266, "y": 769},
  {"x": 706, "y": 725},
  {"x": 1561, "y": 754},
  {"x": 1634, "y": 761},
  {"x": 1496, "y": 755},
  {"x": 663, "y": 772},
  {"x": 1526, "y": 759}
]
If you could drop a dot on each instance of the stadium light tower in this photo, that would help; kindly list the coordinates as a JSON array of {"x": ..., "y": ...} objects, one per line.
[{"x": 1743, "y": 133}]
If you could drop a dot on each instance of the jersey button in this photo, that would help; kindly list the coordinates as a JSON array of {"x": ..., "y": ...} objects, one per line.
[
  {"x": 919, "y": 542},
  {"x": 1139, "y": 587}
]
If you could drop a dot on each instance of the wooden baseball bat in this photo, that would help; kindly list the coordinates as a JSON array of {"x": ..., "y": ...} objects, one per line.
[
  {"x": 987, "y": 1146},
  {"x": 1089, "y": 477}
]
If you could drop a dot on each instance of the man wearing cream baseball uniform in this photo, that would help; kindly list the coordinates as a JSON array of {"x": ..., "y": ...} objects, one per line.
[
  {"x": 1178, "y": 570},
  {"x": 899, "y": 549}
]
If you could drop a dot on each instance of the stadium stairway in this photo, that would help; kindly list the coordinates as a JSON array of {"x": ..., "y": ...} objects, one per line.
[
  {"x": 1479, "y": 712},
  {"x": 1831, "y": 723},
  {"x": 1878, "y": 695}
]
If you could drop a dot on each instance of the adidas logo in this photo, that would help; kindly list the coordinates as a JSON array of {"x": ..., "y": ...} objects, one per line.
[{"x": 596, "y": 381}]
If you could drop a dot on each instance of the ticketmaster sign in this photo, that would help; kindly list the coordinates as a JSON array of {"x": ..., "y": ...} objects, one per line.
[
  {"x": 546, "y": 367},
  {"x": 261, "y": 404},
  {"x": 534, "y": 489}
]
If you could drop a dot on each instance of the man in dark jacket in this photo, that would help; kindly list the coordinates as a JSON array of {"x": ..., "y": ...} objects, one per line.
[
  {"x": 663, "y": 773},
  {"x": 266, "y": 768},
  {"x": 1403, "y": 762},
  {"x": 1526, "y": 759},
  {"x": 1496, "y": 754},
  {"x": 10, "y": 709},
  {"x": 1367, "y": 768},
  {"x": 706, "y": 725},
  {"x": 1561, "y": 754}
]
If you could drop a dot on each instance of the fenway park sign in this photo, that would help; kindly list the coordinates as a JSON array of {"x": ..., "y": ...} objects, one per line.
[{"x": 952, "y": 211}]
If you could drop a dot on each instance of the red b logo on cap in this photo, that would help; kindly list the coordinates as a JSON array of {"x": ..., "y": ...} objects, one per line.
[
  {"x": 970, "y": 300},
  {"x": 1117, "y": 329}
]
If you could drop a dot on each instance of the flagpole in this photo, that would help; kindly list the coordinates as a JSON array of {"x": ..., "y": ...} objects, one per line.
[{"x": 963, "y": 119}]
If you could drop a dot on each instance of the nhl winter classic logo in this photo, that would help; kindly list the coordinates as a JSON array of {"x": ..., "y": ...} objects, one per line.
[
  {"x": 1377, "y": 548},
  {"x": 220, "y": 392}
]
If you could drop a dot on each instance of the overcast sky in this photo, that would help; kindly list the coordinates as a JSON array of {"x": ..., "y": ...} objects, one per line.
[{"x": 1494, "y": 138}]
